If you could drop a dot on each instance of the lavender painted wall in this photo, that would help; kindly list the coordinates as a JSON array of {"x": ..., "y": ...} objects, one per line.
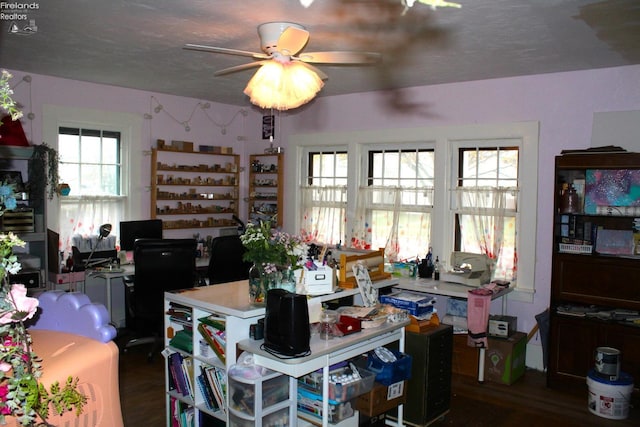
[{"x": 562, "y": 103}]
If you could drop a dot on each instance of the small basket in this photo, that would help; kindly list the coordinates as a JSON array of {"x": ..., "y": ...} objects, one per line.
[{"x": 575, "y": 249}]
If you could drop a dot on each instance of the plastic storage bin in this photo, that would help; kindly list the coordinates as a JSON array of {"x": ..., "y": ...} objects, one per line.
[
  {"x": 341, "y": 389},
  {"x": 388, "y": 373},
  {"x": 277, "y": 419},
  {"x": 243, "y": 392},
  {"x": 311, "y": 405}
]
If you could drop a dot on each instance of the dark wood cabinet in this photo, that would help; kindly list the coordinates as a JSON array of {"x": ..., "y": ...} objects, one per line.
[
  {"x": 595, "y": 281},
  {"x": 429, "y": 389}
]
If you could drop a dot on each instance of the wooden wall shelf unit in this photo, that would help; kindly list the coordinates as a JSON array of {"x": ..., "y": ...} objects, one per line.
[
  {"x": 191, "y": 190},
  {"x": 595, "y": 282},
  {"x": 265, "y": 188}
]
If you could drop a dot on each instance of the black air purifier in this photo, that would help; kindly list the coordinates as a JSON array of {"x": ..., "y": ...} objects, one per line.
[{"x": 286, "y": 324}]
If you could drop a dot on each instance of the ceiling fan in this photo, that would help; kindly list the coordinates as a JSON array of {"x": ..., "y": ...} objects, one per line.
[{"x": 284, "y": 42}]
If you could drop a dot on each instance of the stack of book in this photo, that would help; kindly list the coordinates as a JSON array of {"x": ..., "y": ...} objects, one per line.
[
  {"x": 213, "y": 386},
  {"x": 181, "y": 374},
  {"x": 212, "y": 330}
]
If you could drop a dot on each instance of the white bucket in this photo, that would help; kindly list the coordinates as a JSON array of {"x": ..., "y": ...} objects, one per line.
[{"x": 610, "y": 399}]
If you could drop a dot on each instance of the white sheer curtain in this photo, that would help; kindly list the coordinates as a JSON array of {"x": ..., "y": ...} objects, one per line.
[
  {"x": 395, "y": 218},
  {"x": 487, "y": 223},
  {"x": 85, "y": 214},
  {"x": 323, "y": 214}
]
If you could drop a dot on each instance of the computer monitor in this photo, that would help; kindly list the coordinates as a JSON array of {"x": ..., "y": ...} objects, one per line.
[{"x": 142, "y": 229}]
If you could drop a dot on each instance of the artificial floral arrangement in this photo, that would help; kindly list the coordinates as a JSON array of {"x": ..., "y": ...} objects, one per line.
[
  {"x": 274, "y": 254},
  {"x": 21, "y": 394}
]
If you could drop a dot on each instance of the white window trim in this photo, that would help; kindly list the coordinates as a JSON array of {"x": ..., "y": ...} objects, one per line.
[
  {"x": 442, "y": 139},
  {"x": 130, "y": 128}
]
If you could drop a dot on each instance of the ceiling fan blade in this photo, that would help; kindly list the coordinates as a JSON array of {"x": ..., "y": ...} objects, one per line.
[
  {"x": 340, "y": 57},
  {"x": 292, "y": 40},
  {"x": 316, "y": 70},
  {"x": 204, "y": 48},
  {"x": 239, "y": 68}
]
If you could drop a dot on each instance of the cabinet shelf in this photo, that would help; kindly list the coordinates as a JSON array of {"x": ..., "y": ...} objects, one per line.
[
  {"x": 215, "y": 188},
  {"x": 206, "y": 153},
  {"x": 265, "y": 188},
  {"x": 194, "y": 185},
  {"x": 198, "y": 199},
  {"x": 201, "y": 212}
]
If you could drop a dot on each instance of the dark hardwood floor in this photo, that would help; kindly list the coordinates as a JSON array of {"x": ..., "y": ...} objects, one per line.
[{"x": 528, "y": 402}]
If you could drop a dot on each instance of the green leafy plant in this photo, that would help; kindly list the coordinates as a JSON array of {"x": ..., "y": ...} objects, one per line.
[{"x": 43, "y": 170}]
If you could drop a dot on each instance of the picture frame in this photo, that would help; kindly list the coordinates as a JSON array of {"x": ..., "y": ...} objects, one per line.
[
  {"x": 12, "y": 178},
  {"x": 268, "y": 126}
]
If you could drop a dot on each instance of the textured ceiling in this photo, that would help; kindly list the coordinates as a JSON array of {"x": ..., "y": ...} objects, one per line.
[{"x": 138, "y": 43}]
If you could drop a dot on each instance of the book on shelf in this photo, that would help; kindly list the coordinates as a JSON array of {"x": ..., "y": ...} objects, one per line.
[
  {"x": 178, "y": 372},
  {"x": 187, "y": 371},
  {"x": 215, "y": 322},
  {"x": 179, "y": 313},
  {"x": 183, "y": 340},
  {"x": 207, "y": 392},
  {"x": 217, "y": 382},
  {"x": 215, "y": 338},
  {"x": 182, "y": 414}
]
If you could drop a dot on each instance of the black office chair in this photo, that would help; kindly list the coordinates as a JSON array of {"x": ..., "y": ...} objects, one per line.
[
  {"x": 226, "y": 264},
  {"x": 160, "y": 265}
]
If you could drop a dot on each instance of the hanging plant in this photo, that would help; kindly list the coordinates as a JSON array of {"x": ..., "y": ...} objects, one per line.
[{"x": 43, "y": 170}]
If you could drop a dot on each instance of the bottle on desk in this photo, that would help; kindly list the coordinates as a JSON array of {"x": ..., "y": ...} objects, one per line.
[{"x": 436, "y": 269}]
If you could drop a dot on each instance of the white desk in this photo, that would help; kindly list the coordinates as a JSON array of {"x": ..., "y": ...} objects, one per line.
[
  {"x": 456, "y": 290},
  {"x": 325, "y": 353}
]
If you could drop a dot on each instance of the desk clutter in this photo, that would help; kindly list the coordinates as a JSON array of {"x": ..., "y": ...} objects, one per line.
[{"x": 372, "y": 384}]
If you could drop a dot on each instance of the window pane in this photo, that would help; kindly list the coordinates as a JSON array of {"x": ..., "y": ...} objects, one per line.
[
  {"x": 70, "y": 174},
  {"x": 494, "y": 167},
  {"x": 89, "y": 161},
  {"x": 110, "y": 150},
  {"x": 90, "y": 149},
  {"x": 399, "y": 218},
  {"x": 324, "y": 204},
  {"x": 69, "y": 148}
]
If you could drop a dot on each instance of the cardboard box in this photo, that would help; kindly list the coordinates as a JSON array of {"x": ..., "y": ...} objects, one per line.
[
  {"x": 464, "y": 360},
  {"x": 381, "y": 398},
  {"x": 505, "y": 358}
]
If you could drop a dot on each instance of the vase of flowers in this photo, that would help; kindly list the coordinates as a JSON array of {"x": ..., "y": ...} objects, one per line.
[{"x": 274, "y": 254}]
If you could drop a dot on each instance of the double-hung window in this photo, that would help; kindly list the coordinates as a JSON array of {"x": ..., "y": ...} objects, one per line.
[
  {"x": 394, "y": 203},
  {"x": 90, "y": 162},
  {"x": 486, "y": 204},
  {"x": 323, "y": 196}
]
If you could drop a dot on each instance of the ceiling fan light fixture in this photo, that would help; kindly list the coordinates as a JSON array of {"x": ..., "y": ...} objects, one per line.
[{"x": 283, "y": 86}]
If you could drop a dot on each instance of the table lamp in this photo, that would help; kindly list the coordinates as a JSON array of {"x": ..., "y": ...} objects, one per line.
[{"x": 103, "y": 231}]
